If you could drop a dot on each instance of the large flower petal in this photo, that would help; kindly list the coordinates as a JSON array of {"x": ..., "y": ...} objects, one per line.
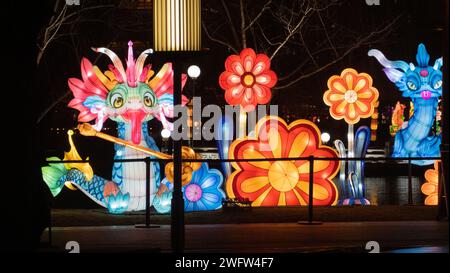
[
  {"x": 234, "y": 95},
  {"x": 233, "y": 64},
  {"x": 248, "y": 58},
  {"x": 229, "y": 79},
  {"x": 249, "y": 100},
  {"x": 267, "y": 78},
  {"x": 263, "y": 94},
  {"x": 254, "y": 184},
  {"x": 262, "y": 64}
]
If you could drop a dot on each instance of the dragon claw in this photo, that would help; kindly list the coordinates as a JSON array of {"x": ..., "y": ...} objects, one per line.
[{"x": 119, "y": 203}]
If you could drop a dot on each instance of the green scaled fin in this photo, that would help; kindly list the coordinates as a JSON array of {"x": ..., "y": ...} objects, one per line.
[{"x": 52, "y": 173}]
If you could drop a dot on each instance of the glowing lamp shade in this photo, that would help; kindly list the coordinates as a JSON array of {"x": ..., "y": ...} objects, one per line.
[
  {"x": 194, "y": 71},
  {"x": 177, "y": 25},
  {"x": 325, "y": 137},
  {"x": 165, "y": 133}
]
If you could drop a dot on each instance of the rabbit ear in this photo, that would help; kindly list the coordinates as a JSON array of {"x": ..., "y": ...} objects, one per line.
[
  {"x": 394, "y": 75},
  {"x": 437, "y": 64}
]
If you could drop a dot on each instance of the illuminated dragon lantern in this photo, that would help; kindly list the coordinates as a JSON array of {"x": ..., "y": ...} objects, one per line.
[
  {"x": 423, "y": 84},
  {"x": 131, "y": 97}
]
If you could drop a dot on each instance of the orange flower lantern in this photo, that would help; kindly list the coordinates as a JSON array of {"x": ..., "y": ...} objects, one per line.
[
  {"x": 351, "y": 96},
  {"x": 247, "y": 79},
  {"x": 430, "y": 188},
  {"x": 282, "y": 183}
]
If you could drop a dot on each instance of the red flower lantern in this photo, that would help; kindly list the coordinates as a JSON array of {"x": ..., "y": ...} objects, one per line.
[{"x": 247, "y": 79}]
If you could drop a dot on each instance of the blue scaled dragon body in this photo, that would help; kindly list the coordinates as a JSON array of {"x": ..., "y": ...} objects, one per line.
[
  {"x": 131, "y": 97},
  {"x": 422, "y": 83}
]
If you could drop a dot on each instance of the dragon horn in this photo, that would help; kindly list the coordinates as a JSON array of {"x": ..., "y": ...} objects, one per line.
[
  {"x": 131, "y": 68},
  {"x": 140, "y": 61},
  {"x": 387, "y": 63},
  {"x": 437, "y": 64},
  {"x": 114, "y": 58}
]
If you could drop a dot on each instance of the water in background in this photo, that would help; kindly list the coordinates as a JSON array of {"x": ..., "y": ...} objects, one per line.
[{"x": 392, "y": 190}]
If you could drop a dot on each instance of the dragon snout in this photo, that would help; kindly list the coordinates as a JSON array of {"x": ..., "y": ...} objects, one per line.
[{"x": 134, "y": 104}]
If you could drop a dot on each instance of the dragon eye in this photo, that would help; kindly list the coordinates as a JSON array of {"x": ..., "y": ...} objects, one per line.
[
  {"x": 117, "y": 100},
  {"x": 437, "y": 84},
  {"x": 148, "y": 100},
  {"x": 411, "y": 85}
]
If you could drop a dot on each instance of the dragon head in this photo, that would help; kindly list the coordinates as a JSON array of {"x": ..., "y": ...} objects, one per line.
[
  {"x": 134, "y": 95},
  {"x": 419, "y": 81}
]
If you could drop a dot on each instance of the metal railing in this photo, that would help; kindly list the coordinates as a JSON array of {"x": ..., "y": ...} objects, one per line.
[{"x": 310, "y": 159}]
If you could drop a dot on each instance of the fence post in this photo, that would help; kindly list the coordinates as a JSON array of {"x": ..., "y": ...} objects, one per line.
[
  {"x": 310, "y": 197},
  {"x": 311, "y": 190},
  {"x": 147, "y": 195},
  {"x": 410, "y": 198},
  {"x": 50, "y": 239}
]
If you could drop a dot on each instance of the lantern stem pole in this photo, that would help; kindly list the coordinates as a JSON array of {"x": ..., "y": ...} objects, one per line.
[
  {"x": 350, "y": 139},
  {"x": 351, "y": 153},
  {"x": 242, "y": 122}
]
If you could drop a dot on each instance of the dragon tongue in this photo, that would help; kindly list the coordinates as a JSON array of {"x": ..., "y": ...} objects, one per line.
[
  {"x": 135, "y": 118},
  {"x": 426, "y": 95}
]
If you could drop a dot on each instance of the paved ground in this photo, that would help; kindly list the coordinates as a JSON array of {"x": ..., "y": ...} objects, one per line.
[
  {"x": 262, "y": 237},
  {"x": 100, "y": 217}
]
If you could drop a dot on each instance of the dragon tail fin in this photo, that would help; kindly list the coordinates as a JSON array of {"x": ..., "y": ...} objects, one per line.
[{"x": 52, "y": 175}]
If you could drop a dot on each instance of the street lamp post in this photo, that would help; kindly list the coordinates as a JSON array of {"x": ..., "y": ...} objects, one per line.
[
  {"x": 177, "y": 37},
  {"x": 193, "y": 73}
]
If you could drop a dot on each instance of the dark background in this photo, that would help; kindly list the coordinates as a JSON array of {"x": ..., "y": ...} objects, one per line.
[{"x": 33, "y": 88}]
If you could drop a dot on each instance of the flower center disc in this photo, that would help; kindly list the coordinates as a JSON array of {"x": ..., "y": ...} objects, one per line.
[
  {"x": 193, "y": 192},
  {"x": 283, "y": 175},
  {"x": 248, "y": 80},
  {"x": 351, "y": 96}
]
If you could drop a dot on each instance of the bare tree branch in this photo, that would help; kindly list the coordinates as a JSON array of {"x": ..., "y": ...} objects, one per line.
[
  {"x": 326, "y": 33},
  {"x": 56, "y": 102},
  {"x": 252, "y": 22},
  {"x": 218, "y": 40},
  {"x": 307, "y": 49},
  {"x": 347, "y": 52},
  {"x": 270, "y": 42},
  {"x": 230, "y": 22},
  {"x": 291, "y": 33},
  {"x": 51, "y": 32},
  {"x": 243, "y": 32}
]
